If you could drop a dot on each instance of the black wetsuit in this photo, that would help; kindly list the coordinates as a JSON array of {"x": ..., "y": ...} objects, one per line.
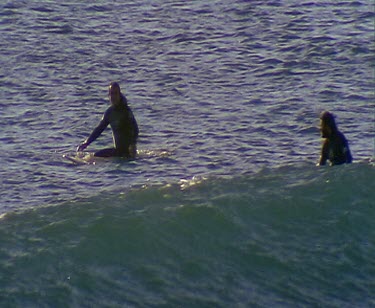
[
  {"x": 336, "y": 150},
  {"x": 124, "y": 130}
]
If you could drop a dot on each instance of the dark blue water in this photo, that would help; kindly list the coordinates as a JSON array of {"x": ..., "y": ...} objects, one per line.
[{"x": 224, "y": 206}]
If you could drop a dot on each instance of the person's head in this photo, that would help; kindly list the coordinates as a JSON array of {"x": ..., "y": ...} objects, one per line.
[
  {"x": 327, "y": 124},
  {"x": 114, "y": 93}
]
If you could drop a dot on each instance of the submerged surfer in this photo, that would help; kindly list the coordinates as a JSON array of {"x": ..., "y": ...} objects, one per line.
[
  {"x": 335, "y": 146},
  {"x": 124, "y": 127}
]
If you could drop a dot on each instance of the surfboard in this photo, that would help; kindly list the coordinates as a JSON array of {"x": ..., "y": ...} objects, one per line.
[
  {"x": 80, "y": 158},
  {"x": 88, "y": 158}
]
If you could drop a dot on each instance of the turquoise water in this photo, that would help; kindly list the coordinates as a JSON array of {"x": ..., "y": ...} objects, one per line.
[
  {"x": 290, "y": 236},
  {"x": 224, "y": 206}
]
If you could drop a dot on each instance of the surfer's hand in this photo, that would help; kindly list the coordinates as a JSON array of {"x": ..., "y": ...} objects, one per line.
[{"x": 82, "y": 146}]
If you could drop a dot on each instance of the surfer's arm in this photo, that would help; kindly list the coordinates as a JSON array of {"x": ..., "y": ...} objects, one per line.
[
  {"x": 95, "y": 134},
  {"x": 97, "y": 131},
  {"x": 324, "y": 153}
]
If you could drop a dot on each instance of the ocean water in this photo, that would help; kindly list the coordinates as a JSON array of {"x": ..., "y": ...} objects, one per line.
[{"x": 224, "y": 206}]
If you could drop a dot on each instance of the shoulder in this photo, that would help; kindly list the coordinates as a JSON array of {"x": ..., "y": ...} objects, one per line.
[
  {"x": 126, "y": 109},
  {"x": 108, "y": 112},
  {"x": 124, "y": 99}
]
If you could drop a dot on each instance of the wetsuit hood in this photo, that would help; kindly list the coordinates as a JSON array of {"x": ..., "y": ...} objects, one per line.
[{"x": 328, "y": 125}]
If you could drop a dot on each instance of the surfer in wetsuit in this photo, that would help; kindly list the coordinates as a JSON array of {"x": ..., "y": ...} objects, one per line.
[
  {"x": 124, "y": 127},
  {"x": 335, "y": 146}
]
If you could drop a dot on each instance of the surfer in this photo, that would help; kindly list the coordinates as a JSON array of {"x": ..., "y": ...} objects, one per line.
[
  {"x": 335, "y": 146},
  {"x": 123, "y": 124}
]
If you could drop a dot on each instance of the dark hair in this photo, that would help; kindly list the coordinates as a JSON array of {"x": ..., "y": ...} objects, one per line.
[
  {"x": 123, "y": 98},
  {"x": 329, "y": 120},
  {"x": 114, "y": 84}
]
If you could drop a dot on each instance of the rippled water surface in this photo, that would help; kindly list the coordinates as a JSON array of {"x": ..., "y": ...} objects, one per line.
[
  {"x": 224, "y": 87},
  {"x": 224, "y": 206}
]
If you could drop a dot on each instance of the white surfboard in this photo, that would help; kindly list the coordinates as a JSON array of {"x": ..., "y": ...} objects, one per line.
[{"x": 81, "y": 158}]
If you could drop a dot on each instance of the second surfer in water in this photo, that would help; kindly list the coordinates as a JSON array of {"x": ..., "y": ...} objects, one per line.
[
  {"x": 123, "y": 124},
  {"x": 335, "y": 146}
]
